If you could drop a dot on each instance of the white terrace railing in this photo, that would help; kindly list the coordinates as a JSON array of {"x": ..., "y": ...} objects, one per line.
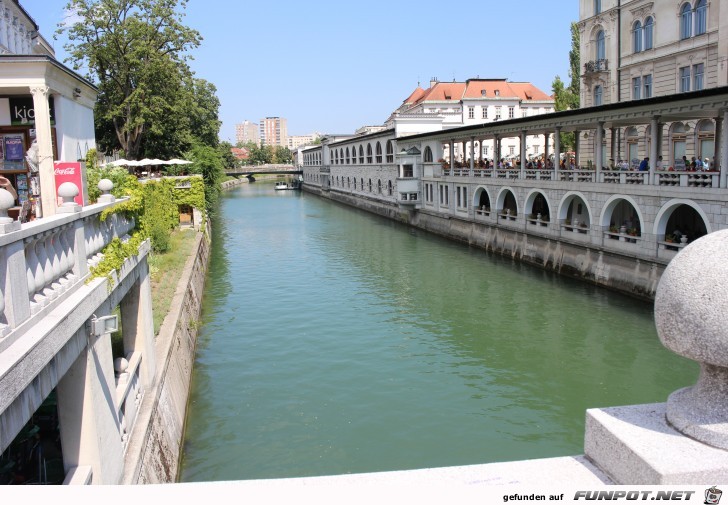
[
  {"x": 661, "y": 178},
  {"x": 43, "y": 260}
]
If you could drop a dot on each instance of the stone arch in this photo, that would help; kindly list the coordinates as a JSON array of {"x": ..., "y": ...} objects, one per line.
[
  {"x": 507, "y": 200},
  {"x": 680, "y": 212},
  {"x": 542, "y": 203},
  {"x": 569, "y": 209},
  {"x": 481, "y": 198},
  {"x": 622, "y": 210}
]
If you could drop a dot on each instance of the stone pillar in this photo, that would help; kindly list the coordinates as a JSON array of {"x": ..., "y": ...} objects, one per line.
[
  {"x": 557, "y": 153},
  {"x": 721, "y": 157},
  {"x": 613, "y": 145},
  {"x": 138, "y": 324},
  {"x": 87, "y": 413},
  {"x": 496, "y": 150},
  {"x": 546, "y": 138},
  {"x": 472, "y": 154},
  {"x": 654, "y": 129},
  {"x": 45, "y": 150},
  {"x": 599, "y": 151},
  {"x": 452, "y": 153},
  {"x": 577, "y": 141},
  {"x": 523, "y": 154}
]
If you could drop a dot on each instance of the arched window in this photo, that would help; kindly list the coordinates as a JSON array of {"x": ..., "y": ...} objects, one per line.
[
  {"x": 649, "y": 25},
  {"x": 390, "y": 152},
  {"x": 341, "y": 156},
  {"x": 348, "y": 182},
  {"x": 428, "y": 155},
  {"x": 336, "y": 157},
  {"x": 361, "y": 159},
  {"x": 637, "y": 37},
  {"x": 686, "y": 21},
  {"x": 354, "y": 183},
  {"x": 597, "y": 95},
  {"x": 389, "y": 188},
  {"x": 379, "y": 152},
  {"x": 701, "y": 17},
  {"x": 369, "y": 154},
  {"x": 348, "y": 159},
  {"x": 370, "y": 186},
  {"x": 601, "y": 47},
  {"x": 379, "y": 186},
  {"x": 362, "y": 183}
]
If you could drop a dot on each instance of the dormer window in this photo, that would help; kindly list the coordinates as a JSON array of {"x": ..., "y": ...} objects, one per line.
[
  {"x": 497, "y": 92},
  {"x": 482, "y": 92}
]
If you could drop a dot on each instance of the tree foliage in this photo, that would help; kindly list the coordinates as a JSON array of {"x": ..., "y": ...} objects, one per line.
[
  {"x": 136, "y": 53},
  {"x": 567, "y": 98}
]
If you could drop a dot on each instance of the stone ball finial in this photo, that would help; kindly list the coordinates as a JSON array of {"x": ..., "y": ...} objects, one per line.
[
  {"x": 121, "y": 365},
  {"x": 68, "y": 191},
  {"x": 691, "y": 316},
  {"x": 105, "y": 185}
]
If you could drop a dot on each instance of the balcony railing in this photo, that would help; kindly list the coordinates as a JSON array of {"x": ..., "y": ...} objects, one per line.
[{"x": 596, "y": 66}]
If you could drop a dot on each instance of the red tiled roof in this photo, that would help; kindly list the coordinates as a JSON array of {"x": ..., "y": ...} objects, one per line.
[{"x": 527, "y": 91}]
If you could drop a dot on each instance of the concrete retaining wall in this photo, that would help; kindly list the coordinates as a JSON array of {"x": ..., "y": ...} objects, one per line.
[
  {"x": 621, "y": 272},
  {"x": 154, "y": 450}
]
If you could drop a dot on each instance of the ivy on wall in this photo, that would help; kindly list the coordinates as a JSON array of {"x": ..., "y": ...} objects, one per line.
[{"x": 153, "y": 204}]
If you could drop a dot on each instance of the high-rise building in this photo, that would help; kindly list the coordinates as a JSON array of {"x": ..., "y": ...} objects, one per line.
[
  {"x": 273, "y": 131},
  {"x": 247, "y": 132},
  {"x": 296, "y": 141}
]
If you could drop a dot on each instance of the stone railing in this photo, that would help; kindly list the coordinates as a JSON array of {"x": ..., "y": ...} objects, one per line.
[{"x": 45, "y": 260}]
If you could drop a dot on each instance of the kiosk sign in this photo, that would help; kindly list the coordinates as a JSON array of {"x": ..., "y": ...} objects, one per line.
[{"x": 70, "y": 171}]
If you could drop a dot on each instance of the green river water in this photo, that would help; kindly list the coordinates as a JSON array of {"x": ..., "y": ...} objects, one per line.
[{"x": 334, "y": 341}]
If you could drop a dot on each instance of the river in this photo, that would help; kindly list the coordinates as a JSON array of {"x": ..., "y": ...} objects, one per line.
[{"x": 334, "y": 341}]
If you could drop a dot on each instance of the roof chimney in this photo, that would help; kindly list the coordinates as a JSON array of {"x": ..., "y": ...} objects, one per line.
[{"x": 433, "y": 81}]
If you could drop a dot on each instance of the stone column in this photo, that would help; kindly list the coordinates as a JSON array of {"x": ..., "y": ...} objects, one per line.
[
  {"x": 87, "y": 413},
  {"x": 472, "y": 154},
  {"x": 557, "y": 153},
  {"x": 721, "y": 155},
  {"x": 452, "y": 153},
  {"x": 523, "y": 154},
  {"x": 546, "y": 138},
  {"x": 613, "y": 144},
  {"x": 577, "y": 141},
  {"x": 138, "y": 324},
  {"x": 654, "y": 129},
  {"x": 496, "y": 150},
  {"x": 599, "y": 154},
  {"x": 45, "y": 150}
]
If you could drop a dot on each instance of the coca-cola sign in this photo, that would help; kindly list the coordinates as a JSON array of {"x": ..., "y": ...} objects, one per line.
[{"x": 69, "y": 171}]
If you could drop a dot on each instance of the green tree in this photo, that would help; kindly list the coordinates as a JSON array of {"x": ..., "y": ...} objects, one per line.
[
  {"x": 567, "y": 98},
  {"x": 208, "y": 162},
  {"x": 282, "y": 155},
  {"x": 228, "y": 160},
  {"x": 135, "y": 51}
]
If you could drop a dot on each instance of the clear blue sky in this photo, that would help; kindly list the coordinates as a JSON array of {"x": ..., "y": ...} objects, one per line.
[{"x": 332, "y": 67}]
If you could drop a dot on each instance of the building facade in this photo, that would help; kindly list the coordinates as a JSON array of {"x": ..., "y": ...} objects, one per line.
[
  {"x": 42, "y": 104},
  {"x": 296, "y": 141},
  {"x": 476, "y": 101},
  {"x": 639, "y": 49},
  {"x": 273, "y": 131},
  {"x": 247, "y": 132}
]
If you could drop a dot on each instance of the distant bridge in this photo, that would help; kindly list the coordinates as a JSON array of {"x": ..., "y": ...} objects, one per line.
[{"x": 263, "y": 169}]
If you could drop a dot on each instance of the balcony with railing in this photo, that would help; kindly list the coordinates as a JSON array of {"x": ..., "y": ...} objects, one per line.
[{"x": 600, "y": 65}]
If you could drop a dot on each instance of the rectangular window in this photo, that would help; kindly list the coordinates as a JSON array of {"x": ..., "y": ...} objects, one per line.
[
  {"x": 485, "y": 150},
  {"x": 511, "y": 150},
  {"x": 408, "y": 171},
  {"x": 471, "y": 112},
  {"x": 524, "y": 112},
  {"x": 511, "y": 112},
  {"x": 698, "y": 71},
  {"x": 460, "y": 200},
  {"x": 485, "y": 112},
  {"x": 497, "y": 113},
  {"x": 636, "y": 87},
  {"x": 684, "y": 79},
  {"x": 647, "y": 86}
]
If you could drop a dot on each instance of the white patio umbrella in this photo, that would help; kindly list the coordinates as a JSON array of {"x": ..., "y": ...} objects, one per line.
[
  {"x": 176, "y": 161},
  {"x": 121, "y": 162}
]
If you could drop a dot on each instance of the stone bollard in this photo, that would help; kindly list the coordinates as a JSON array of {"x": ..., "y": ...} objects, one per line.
[
  {"x": 105, "y": 186},
  {"x": 691, "y": 317},
  {"x": 7, "y": 224},
  {"x": 68, "y": 191}
]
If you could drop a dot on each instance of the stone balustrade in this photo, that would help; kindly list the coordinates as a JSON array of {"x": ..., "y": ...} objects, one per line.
[{"x": 45, "y": 260}]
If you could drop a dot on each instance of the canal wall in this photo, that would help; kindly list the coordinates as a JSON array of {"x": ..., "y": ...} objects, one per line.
[
  {"x": 154, "y": 452},
  {"x": 626, "y": 273}
]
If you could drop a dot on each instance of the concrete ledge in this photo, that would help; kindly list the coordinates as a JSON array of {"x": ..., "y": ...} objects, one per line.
[{"x": 636, "y": 445}]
